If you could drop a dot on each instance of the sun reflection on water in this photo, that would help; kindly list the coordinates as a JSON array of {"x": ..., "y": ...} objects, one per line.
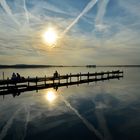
[{"x": 51, "y": 95}]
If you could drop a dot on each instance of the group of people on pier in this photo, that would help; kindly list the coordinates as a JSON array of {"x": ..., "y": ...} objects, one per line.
[{"x": 16, "y": 76}]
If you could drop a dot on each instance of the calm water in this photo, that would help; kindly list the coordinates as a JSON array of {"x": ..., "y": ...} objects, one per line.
[{"x": 103, "y": 110}]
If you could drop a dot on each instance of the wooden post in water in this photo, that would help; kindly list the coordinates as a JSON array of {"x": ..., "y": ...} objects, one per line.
[
  {"x": 77, "y": 79},
  {"x": 59, "y": 78},
  {"x": 28, "y": 81},
  {"x": 95, "y": 76},
  {"x": 3, "y": 85},
  {"x": 112, "y": 73},
  {"x": 102, "y": 75},
  {"x": 45, "y": 80},
  {"x": 108, "y": 75},
  {"x": 53, "y": 80},
  {"x": 67, "y": 80},
  {"x": 7, "y": 82},
  {"x": 36, "y": 84},
  {"x": 36, "y": 81},
  {"x": 118, "y": 72},
  {"x": 3, "y": 75},
  {"x": 70, "y": 77},
  {"x": 88, "y": 76},
  {"x": 80, "y": 76}
]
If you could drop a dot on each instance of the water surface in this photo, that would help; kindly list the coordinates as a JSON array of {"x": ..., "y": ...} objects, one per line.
[{"x": 103, "y": 110}]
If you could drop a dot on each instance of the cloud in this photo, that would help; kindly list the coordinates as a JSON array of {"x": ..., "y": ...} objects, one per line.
[
  {"x": 8, "y": 124},
  {"x": 99, "y": 24},
  {"x": 86, "y": 122},
  {"x": 131, "y": 7},
  {"x": 8, "y": 11},
  {"x": 109, "y": 39}
]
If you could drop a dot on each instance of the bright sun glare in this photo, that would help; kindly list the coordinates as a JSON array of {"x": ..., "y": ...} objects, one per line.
[
  {"x": 51, "y": 96},
  {"x": 50, "y": 37}
]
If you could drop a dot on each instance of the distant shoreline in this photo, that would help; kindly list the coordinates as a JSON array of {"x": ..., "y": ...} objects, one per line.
[
  {"x": 118, "y": 66},
  {"x": 24, "y": 66}
]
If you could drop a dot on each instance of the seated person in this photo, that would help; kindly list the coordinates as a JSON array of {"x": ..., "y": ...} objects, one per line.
[
  {"x": 14, "y": 77},
  {"x": 18, "y": 76},
  {"x": 56, "y": 74}
]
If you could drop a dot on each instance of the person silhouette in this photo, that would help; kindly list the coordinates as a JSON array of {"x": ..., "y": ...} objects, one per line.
[
  {"x": 14, "y": 77},
  {"x": 56, "y": 74},
  {"x": 18, "y": 76}
]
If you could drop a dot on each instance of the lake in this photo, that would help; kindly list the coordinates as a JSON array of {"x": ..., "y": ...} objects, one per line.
[{"x": 108, "y": 110}]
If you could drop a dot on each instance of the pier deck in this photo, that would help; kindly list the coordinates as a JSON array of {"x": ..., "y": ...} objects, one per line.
[{"x": 18, "y": 86}]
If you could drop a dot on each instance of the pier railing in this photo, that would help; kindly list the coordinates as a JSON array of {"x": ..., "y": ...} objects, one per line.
[{"x": 17, "y": 86}]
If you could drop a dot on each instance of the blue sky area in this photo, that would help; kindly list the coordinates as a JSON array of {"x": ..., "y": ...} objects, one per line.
[{"x": 89, "y": 31}]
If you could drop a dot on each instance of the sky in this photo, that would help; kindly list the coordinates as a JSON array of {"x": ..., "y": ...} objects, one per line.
[{"x": 101, "y": 32}]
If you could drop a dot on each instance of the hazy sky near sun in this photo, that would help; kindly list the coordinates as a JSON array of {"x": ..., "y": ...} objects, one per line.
[{"x": 89, "y": 31}]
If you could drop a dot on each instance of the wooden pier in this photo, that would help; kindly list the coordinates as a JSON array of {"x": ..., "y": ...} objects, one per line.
[{"x": 17, "y": 86}]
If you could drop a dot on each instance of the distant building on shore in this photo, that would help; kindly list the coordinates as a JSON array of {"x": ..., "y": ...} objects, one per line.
[{"x": 91, "y": 66}]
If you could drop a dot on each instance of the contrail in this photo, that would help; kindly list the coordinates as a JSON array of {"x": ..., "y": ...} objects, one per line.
[
  {"x": 86, "y": 122},
  {"x": 27, "y": 109},
  {"x": 26, "y": 11},
  {"x": 103, "y": 125},
  {"x": 86, "y": 9},
  {"x": 101, "y": 12},
  {"x": 8, "y": 125},
  {"x": 8, "y": 11}
]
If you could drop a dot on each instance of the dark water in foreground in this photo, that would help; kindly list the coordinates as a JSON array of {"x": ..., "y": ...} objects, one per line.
[{"x": 103, "y": 110}]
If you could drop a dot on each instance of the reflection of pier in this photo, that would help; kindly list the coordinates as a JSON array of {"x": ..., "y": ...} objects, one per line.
[{"x": 15, "y": 87}]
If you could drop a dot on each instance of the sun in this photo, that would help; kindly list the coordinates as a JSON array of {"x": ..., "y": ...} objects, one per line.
[{"x": 50, "y": 37}]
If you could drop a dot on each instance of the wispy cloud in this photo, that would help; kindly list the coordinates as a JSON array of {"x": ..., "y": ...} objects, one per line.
[
  {"x": 8, "y": 125},
  {"x": 99, "y": 23},
  {"x": 86, "y": 122},
  {"x": 99, "y": 31},
  {"x": 8, "y": 11}
]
